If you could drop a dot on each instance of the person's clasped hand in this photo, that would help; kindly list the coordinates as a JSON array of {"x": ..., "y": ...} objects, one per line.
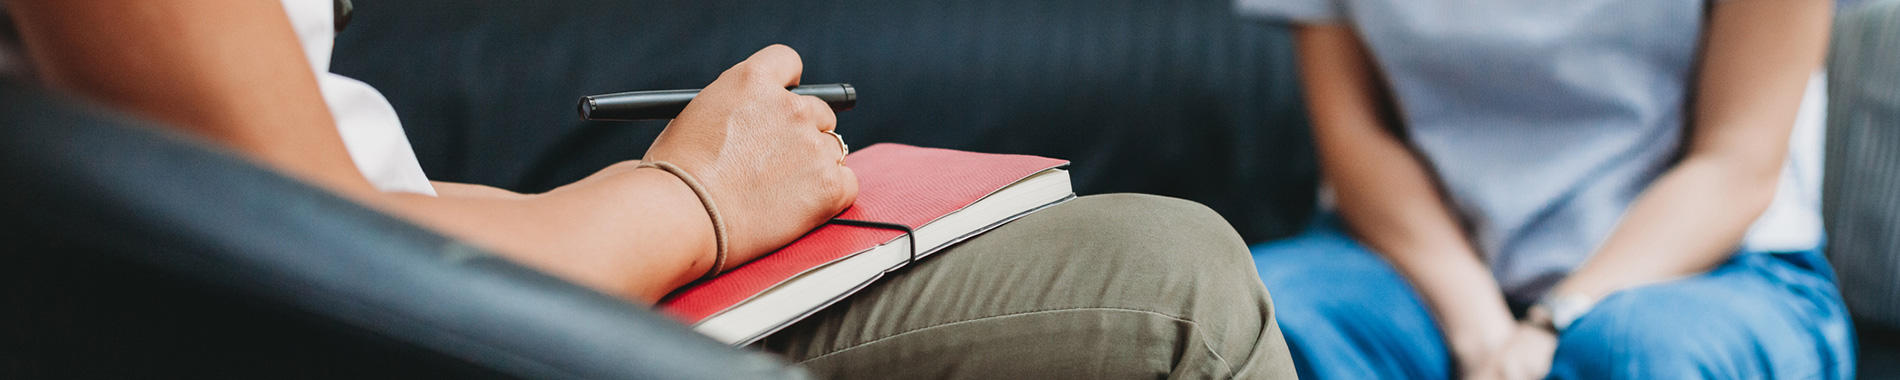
[
  {"x": 762, "y": 153},
  {"x": 1526, "y": 355}
]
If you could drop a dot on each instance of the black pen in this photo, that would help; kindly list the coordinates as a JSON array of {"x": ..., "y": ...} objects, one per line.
[{"x": 667, "y": 104}]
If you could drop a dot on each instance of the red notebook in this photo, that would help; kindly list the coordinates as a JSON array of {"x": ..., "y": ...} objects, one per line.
[{"x": 944, "y": 196}]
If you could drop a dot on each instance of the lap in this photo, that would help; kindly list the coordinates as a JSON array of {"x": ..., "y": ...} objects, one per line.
[
  {"x": 1345, "y": 312},
  {"x": 1759, "y": 315},
  {"x": 1099, "y": 287}
]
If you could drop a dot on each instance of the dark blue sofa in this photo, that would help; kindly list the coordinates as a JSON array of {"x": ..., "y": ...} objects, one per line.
[{"x": 1163, "y": 97}]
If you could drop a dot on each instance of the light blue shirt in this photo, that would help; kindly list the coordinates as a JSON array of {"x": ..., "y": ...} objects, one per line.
[{"x": 1545, "y": 119}]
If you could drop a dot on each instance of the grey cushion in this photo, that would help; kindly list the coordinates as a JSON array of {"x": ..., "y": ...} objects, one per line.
[{"x": 1861, "y": 190}]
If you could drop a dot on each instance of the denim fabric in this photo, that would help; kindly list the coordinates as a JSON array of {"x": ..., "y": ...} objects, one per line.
[{"x": 1347, "y": 314}]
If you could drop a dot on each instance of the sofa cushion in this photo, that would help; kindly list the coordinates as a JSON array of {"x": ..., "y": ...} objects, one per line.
[
  {"x": 1861, "y": 189},
  {"x": 1163, "y": 97}
]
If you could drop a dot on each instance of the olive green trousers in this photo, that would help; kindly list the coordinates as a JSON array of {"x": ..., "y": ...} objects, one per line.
[{"x": 1101, "y": 287}]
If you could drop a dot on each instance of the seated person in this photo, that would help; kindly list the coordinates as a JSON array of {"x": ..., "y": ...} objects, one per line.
[
  {"x": 1114, "y": 286},
  {"x": 1617, "y": 172}
]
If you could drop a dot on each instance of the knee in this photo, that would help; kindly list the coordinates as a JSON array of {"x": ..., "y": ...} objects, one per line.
[
  {"x": 1159, "y": 232},
  {"x": 1176, "y": 247},
  {"x": 1178, "y": 258},
  {"x": 1660, "y": 332},
  {"x": 1142, "y": 217}
]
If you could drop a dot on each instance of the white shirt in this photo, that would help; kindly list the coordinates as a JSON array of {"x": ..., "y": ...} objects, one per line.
[{"x": 371, "y": 132}]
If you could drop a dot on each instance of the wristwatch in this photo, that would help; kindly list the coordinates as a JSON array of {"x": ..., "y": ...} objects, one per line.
[{"x": 1557, "y": 311}]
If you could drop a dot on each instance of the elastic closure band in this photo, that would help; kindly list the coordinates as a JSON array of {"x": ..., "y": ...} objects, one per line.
[
  {"x": 705, "y": 198},
  {"x": 887, "y": 226}
]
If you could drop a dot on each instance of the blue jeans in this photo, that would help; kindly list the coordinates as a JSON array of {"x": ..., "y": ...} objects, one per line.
[{"x": 1347, "y": 314}]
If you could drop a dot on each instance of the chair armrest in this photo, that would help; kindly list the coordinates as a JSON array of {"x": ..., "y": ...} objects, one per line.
[{"x": 128, "y": 250}]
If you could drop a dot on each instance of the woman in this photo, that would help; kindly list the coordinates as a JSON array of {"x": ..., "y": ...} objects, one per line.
[
  {"x": 1033, "y": 299},
  {"x": 1560, "y": 187}
]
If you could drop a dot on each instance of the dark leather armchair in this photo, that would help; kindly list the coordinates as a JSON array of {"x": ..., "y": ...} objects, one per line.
[{"x": 129, "y": 251}]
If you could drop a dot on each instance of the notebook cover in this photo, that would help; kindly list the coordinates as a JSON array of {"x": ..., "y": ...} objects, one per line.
[{"x": 897, "y": 183}]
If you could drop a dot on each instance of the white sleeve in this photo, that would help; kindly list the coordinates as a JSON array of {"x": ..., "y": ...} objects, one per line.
[
  {"x": 371, "y": 132},
  {"x": 373, "y": 135}
]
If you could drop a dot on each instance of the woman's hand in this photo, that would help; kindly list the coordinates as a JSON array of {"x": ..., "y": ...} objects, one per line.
[
  {"x": 762, "y": 153},
  {"x": 1476, "y": 346},
  {"x": 1525, "y": 356}
]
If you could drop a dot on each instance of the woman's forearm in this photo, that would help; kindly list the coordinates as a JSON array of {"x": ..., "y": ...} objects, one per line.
[
  {"x": 233, "y": 72},
  {"x": 638, "y": 234},
  {"x": 1390, "y": 204},
  {"x": 1387, "y": 197},
  {"x": 1757, "y": 64},
  {"x": 634, "y": 233},
  {"x": 466, "y": 190},
  {"x": 1687, "y": 222},
  {"x": 1388, "y": 200}
]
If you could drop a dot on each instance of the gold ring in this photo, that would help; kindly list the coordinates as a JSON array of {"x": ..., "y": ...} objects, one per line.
[{"x": 842, "y": 148}]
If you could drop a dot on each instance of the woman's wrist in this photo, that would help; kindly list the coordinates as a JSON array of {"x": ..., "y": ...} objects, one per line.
[
  {"x": 1469, "y": 307},
  {"x": 689, "y": 240},
  {"x": 1479, "y": 339},
  {"x": 1476, "y": 330},
  {"x": 704, "y": 195}
]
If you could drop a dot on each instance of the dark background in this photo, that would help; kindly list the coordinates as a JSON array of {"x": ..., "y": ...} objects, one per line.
[{"x": 1177, "y": 98}]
